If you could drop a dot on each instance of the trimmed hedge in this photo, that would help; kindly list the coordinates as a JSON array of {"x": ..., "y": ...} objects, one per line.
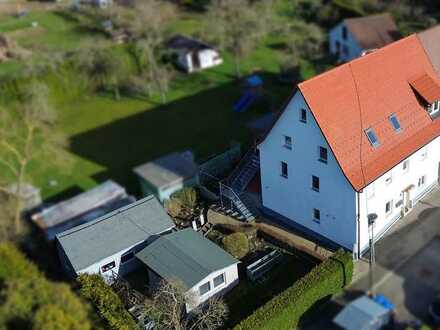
[
  {"x": 285, "y": 310},
  {"x": 107, "y": 302}
]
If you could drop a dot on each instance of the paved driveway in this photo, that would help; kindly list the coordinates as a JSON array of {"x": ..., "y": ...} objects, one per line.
[{"x": 407, "y": 266}]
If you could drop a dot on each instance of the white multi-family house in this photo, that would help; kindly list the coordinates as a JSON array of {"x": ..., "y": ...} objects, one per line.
[
  {"x": 360, "y": 139},
  {"x": 354, "y": 36}
]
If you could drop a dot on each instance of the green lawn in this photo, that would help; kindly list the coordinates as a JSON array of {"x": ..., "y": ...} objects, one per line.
[{"x": 108, "y": 137}]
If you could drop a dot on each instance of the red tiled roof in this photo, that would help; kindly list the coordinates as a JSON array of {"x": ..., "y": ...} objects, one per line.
[
  {"x": 363, "y": 94},
  {"x": 427, "y": 88}
]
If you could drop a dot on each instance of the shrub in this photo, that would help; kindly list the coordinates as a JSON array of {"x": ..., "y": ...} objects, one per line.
[
  {"x": 173, "y": 207},
  {"x": 285, "y": 310},
  {"x": 188, "y": 197},
  {"x": 106, "y": 301},
  {"x": 236, "y": 244},
  {"x": 29, "y": 299}
]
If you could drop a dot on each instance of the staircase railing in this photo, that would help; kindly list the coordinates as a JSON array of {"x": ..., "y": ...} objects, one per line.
[{"x": 236, "y": 172}]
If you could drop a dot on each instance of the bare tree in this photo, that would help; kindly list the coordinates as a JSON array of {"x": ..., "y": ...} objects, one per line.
[
  {"x": 104, "y": 67},
  {"x": 168, "y": 309},
  {"x": 147, "y": 26},
  {"x": 238, "y": 25},
  {"x": 26, "y": 131}
]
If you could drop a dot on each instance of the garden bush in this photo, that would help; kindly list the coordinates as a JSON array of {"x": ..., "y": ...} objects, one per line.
[
  {"x": 106, "y": 301},
  {"x": 285, "y": 310},
  {"x": 28, "y": 299},
  {"x": 236, "y": 244},
  {"x": 187, "y": 197}
]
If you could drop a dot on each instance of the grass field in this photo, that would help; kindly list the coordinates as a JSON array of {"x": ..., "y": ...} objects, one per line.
[{"x": 108, "y": 138}]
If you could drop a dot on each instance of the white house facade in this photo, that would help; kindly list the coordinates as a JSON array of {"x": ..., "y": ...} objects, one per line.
[
  {"x": 354, "y": 36},
  {"x": 107, "y": 245},
  {"x": 186, "y": 256},
  {"x": 343, "y": 44},
  {"x": 345, "y": 147}
]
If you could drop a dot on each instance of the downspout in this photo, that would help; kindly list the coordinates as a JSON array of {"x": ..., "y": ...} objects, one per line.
[{"x": 358, "y": 220}]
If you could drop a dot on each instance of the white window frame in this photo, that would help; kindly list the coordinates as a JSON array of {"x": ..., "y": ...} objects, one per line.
[
  {"x": 405, "y": 165},
  {"x": 209, "y": 288},
  {"x": 323, "y": 160},
  {"x": 421, "y": 181},
  {"x": 286, "y": 144},
  {"x": 223, "y": 275},
  {"x": 314, "y": 213},
  {"x": 389, "y": 179},
  {"x": 391, "y": 207},
  {"x": 286, "y": 176}
]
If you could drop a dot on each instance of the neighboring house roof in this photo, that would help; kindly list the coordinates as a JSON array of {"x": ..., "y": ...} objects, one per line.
[
  {"x": 180, "y": 42},
  {"x": 185, "y": 255},
  {"x": 430, "y": 41},
  {"x": 64, "y": 211},
  {"x": 168, "y": 170},
  {"x": 362, "y": 94},
  {"x": 89, "y": 243},
  {"x": 362, "y": 313},
  {"x": 374, "y": 31}
]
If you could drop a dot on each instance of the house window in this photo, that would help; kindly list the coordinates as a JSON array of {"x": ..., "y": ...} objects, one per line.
[
  {"x": 316, "y": 215},
  {"x": 323, "y": 154},
  {"x": 389, "y": 179},
  {"x": 315, "y": 183},
  {"x": 127, "y": 257},
  {"x": 287, "y": 142},
  {"x": 219, "y": 280},
  {"x": 345, "y": 51},
  {"x": 344, "y": 33},
  {"x": 303, "y": 115},
  {"x": 434, "y": 108},
  {"x": 405, "y": 165},
  {"x": 422, "y": 181},
  {"x": 108, "y": 266},
  {"x": 424, "y": 154},
  {"x": 372, "y": 137},
  {"x": 284, "y": 170},
  {"x": 395, "y": 123},
  {"x": 389, "y": 207},
  {"x": 204, "y": 288}
]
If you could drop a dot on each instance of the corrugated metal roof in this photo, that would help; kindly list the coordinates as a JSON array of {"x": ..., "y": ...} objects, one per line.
[
  {"x": 185, "y": 255},
  {"x": 92, "y": 199},
  {"x": 170, "y": 169},
  {"x": 89, "y": 243}
]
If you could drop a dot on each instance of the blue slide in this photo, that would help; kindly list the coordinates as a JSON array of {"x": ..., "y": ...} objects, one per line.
[{"x": 244, "y": 102}]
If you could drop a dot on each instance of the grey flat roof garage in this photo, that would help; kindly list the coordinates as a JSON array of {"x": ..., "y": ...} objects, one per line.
[
  {"x": 132, "y": 224},
  {"x": 185, "y": 255},
  {"x": 170, "y": 169}
]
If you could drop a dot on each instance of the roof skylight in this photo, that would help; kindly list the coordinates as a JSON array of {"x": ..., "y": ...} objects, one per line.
[
  {"x": 372, "y": 137},
  {"x": 395, "y": 123}
]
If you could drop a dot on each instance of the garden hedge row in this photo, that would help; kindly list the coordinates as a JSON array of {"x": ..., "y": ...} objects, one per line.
[
  {"x": 107, "y": 302},
  {"x": 285, "y": 310}
]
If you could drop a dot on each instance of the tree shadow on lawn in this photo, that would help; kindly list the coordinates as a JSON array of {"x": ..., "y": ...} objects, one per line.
[{"x": 204, "y": 123}]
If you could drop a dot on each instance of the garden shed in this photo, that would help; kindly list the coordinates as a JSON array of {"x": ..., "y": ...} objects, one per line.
[
  {"x": 166, "y": 175},
  {"x": 193, "y": 55},
  {"x": 107, "y": 245},
  {"x": 187, "y": 256},
  {"x": 81, "y": 208}
]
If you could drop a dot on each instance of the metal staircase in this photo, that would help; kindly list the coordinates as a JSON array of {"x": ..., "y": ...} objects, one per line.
[{"x": 234, "y": 201}]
